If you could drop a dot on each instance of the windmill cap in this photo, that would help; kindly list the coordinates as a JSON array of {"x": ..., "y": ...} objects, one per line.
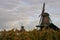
[{"x": 45, "y": 14}]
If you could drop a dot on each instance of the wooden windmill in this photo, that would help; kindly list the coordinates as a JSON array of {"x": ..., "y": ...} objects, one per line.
[{"x": 45, "y": 20}]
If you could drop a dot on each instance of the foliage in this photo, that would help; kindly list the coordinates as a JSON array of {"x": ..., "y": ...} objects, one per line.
[{"x": 35, "y": 34}]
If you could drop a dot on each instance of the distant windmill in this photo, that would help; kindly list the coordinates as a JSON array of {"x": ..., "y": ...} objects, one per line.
[
  {"x": 45, "y": 20},
  {"x": 22, "y": 28}
]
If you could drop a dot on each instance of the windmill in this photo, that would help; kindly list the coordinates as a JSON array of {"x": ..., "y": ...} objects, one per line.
[
  {"x": 45, "y": 20},
  {"x": 22, "y": 28}
]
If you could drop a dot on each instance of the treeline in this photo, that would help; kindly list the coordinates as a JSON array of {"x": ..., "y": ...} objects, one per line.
[{"x": 45, "y": 34}]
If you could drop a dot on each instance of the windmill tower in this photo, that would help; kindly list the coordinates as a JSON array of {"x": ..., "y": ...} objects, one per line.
[{"x": 45, "y": 20}]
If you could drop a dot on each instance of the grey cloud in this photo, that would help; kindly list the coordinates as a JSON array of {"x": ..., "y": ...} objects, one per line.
[
  {"x": 8, "y": 4},
  {"x": 26, "y": 12}
]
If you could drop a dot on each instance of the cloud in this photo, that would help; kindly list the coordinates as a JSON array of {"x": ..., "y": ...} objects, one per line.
[{"x": 15, "y": 12}]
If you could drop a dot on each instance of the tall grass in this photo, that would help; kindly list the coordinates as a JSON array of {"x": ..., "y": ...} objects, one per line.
[{"x": 45, "y": 34}]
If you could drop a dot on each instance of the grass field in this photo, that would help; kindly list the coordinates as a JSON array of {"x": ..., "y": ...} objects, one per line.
[{"x": 45, "y": 34}]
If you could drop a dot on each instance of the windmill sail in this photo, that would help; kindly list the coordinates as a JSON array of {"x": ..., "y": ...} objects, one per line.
[{"x": 43, "y": 9}]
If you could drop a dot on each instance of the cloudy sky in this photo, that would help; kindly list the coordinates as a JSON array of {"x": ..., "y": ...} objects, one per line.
[{"x": 13, "y": 13}]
